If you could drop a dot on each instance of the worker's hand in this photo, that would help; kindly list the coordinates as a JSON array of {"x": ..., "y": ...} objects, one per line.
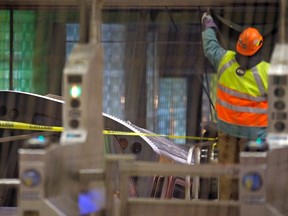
[{"x": 207, "y": 21}]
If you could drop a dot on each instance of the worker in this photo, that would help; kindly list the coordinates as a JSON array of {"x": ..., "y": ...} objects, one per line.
[{"x": 242, "y": 89}]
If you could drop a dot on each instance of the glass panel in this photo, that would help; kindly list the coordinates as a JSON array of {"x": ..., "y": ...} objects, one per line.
[
  {"x": 210, "y": 83},
  {"x": 72, "y": 32},
  {"x": 4, "y": 49},
  {"x": 114, "y": 83},
  {"x": 24, "y": 34},
  {"x": 171, "y": 111},
  {"x": 72, "y": 37},
  {"x": 113, "y": 36}
]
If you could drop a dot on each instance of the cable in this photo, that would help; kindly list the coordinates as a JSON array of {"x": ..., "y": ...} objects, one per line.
[{"x": 206, "y": 76}]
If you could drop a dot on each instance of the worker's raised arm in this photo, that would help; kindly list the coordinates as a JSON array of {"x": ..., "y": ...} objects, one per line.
[{"x": 211, "y": 46}]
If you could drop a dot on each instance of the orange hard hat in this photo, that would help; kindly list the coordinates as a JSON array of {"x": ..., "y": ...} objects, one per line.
[{"x": 249, "y": 42}]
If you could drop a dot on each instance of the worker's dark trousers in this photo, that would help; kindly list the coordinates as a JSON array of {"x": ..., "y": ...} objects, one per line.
[{"x": 229, "y": 152}]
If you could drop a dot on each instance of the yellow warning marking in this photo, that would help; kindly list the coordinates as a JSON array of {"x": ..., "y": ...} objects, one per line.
[{"x": 26, "y": 126}]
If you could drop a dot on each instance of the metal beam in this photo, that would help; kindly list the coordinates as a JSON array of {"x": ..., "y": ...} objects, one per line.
[{"x": 131, "y": 4}]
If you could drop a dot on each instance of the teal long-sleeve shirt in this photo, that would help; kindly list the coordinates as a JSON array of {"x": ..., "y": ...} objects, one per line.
[{"x": 213, "y": 51}]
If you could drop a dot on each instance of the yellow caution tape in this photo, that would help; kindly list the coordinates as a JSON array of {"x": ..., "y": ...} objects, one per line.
[
  {"x": 123, "y": 133},
  {"x": 26, "y": 126}
]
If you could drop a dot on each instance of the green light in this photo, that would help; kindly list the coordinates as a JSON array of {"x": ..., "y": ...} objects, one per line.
[
  {"x": 75, "y": 91},
  {"x": 41, "y": 138},
  {"x": 258, "y": 141}
]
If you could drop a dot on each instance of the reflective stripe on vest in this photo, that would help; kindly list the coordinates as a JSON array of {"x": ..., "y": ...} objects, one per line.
[
  {"x": 241, "y": 118},
  {"x": 243, "y": 104},
  {"x": 258, "y": 81},
  {"x": 241, "y": 108},
  {"x": 241, "y": 95}
]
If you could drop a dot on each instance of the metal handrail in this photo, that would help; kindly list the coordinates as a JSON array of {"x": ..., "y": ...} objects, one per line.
[{"x": 10, "y": 182}]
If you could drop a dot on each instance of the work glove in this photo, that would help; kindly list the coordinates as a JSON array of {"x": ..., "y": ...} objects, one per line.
[{"x": 207, "y": 21}]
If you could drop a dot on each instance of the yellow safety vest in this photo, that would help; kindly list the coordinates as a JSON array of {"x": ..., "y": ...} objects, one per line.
[{"x": 242, "y": 95}]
